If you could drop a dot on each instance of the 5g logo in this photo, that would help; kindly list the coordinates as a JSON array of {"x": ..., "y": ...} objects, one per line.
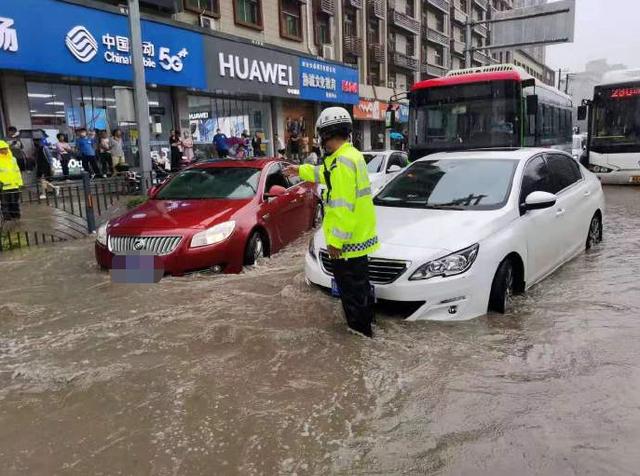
[{"x": 171, "y": 62}]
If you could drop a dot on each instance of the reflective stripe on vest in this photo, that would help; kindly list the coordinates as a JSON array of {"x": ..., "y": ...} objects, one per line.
[
  {"x": 347, "y": 162},
  {"x": 351, "y": 247},
  {"x": 316, "y": 174},
  {"x": 363, "y": 192},
  {"x": 341, "y": 203},
  {"x": 341, "y": 234}
]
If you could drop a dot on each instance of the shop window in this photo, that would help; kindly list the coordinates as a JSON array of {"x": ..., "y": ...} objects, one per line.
[
  {"x": 203, "y": 7},
  {"x": 248, "y": 13},
  {"x": 290, "y": 20}
]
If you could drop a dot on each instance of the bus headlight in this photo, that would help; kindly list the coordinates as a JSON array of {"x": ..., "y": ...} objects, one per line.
[{"x": 599, "y": 169}]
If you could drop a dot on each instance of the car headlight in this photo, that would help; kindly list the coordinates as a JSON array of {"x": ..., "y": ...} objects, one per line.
[
  {"x": 213, "y": 235},
  {"x": 312, "y": 247},
  {"x": 450, "y": 265},
  {"x": 101, "y": 234}
]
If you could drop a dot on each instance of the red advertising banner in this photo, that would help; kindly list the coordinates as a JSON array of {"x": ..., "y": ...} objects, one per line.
[{"x": 369, "y": 110}]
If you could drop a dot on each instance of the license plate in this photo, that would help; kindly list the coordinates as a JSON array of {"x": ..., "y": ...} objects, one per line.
[
  {"x": 634, "y": 179},
  {"x": 136, "y": 269},
  {"x": 335, "y": 291}
]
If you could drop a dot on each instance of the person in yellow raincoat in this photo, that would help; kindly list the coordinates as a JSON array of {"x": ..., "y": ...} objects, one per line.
[{"x": 11, "y": 181}]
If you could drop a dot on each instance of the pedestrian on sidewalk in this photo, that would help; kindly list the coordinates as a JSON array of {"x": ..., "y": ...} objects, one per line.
[
  {"x": 104, "y": 153},
  {"x": 11, "y": 181},
  {"x": 187, "y": 147},
  {"x": 221, "y": 143},
  {"x": 86, "y": 148},
  {"x": 175, "y": 141},
  {"x": 44, "y": 167},
  {"x": 279, "y": 145},
  {"x": 64, "y": 151},
  {"x": 117, "y": 151},
  {"x": 17, "y": 147}
]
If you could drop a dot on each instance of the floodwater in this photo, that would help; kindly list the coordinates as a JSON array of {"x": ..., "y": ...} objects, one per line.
[{"x": 255, "y": 373}]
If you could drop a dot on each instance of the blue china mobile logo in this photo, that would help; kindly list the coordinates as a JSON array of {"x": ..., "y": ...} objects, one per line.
[{"x": 82, "y": 44}]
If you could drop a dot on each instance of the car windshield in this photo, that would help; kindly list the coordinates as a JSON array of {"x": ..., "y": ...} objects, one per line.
[
  {"x": 465, "y": 116},
  {"x": 451, "y": 184},
  {"x": 211, "y": 183},
  {"x": 374, "y": 162},
  {"x": 616, "y": 120}
]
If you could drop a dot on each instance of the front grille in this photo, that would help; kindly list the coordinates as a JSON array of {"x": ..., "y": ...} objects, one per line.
[
  {"x": 381, "y": 271},
  {"x": 157, "y": 245}
]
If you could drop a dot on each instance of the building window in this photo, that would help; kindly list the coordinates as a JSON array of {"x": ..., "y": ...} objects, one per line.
[
  {"x": 438, "y": 56},
  {"x": 290, "y": 20},
  {"x": 248, "y": 13},
  {"x": 440, "y": 26},
  {"x": 463, "y": 6},
  {"x": 350, "y": 28},
  {"x": 203, "y": 7}
]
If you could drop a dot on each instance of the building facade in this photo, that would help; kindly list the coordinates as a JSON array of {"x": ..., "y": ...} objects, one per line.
[{"x": 356, "y": 53}]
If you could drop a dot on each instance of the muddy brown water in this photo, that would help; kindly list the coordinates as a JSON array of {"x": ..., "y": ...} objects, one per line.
[{"x": 255, "y": 374}]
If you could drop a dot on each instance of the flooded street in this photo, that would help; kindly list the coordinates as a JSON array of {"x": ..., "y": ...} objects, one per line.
[{"x": 256, "y": 374}]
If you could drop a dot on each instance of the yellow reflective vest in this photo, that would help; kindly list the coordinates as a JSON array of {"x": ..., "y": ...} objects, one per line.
[
  {"x": 349, "y": 217},
  {"x": 10, "y": 175}
]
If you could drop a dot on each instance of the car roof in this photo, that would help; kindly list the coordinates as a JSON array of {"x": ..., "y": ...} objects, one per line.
[
  {"x": 380, "y": 151},
  {"x": 247, "y": 163},
  {"x": 519, "y": 154}
]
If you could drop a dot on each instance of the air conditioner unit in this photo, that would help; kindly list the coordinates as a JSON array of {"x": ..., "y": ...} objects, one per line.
[
  {"x": 391, "y": 84},
  {"x": 208, "y": 22},
  {"x": 328, "y": 52}
]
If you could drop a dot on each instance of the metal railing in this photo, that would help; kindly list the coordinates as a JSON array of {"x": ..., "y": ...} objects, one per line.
[
  {"x": 376, "y": 51},
  {"x": 481, "y": 3},
  {"x": 404, "y": 21},
  {"x": 353, "y": 45},
  {"x": 435, "y": 36},
  {"x": 457, "y": 47},
  {"x": 440, "y": 4},
  {"x": 404, "y": 61},
  {"x": 481, "y": 30},
  {"x": 328, "y": 7},
  {"x": 353, "y": 3},
  {"x": 376, "y": 7},
  {"x": 433, "y": 70},
  {"x": 459, "y": 16}
]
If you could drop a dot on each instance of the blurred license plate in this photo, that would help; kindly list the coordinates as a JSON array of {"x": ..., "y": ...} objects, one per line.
[
  {"x": 335, "y": 291},
  {"x": 136, "y": 269},
  {"x": 635, "y": 179}
]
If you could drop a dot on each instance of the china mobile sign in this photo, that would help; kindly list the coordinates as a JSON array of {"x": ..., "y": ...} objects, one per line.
[{"x": 87, "y": 42}]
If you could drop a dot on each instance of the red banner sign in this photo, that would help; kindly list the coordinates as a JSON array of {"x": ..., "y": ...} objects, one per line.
[{"x": 369, "y": 110}]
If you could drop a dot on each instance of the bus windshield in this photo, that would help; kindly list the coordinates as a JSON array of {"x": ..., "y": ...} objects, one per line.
[
  {"x": 465, "y": 116},
  {"x": 616, "y": 120}
]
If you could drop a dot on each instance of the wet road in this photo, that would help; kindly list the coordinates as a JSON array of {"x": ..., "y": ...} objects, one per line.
[{"x": 255, "y": 374}]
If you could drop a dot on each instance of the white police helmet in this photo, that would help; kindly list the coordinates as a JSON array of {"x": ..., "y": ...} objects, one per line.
[{"x": 333, "y": 119}]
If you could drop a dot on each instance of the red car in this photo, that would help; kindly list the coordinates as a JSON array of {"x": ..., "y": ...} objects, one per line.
[{"x": 217, "y": 215}]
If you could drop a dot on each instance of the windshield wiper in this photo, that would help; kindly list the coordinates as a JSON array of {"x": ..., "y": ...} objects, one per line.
[{"x": 443, "y": 206}]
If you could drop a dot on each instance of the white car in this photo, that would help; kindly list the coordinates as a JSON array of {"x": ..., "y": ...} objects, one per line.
[
  {"x": 461, "y": 232},
  {"x": 383, "y": 165}
]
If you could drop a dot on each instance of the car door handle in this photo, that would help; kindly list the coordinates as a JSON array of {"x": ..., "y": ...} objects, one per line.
[
  {"x": 587, "y": 193},
  {"x": 266, "y": 216},
  {"x": 560, "y": 212}
]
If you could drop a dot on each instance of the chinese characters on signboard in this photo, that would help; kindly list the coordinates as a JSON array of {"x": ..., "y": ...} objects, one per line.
[{"x": 321, "y": 81}]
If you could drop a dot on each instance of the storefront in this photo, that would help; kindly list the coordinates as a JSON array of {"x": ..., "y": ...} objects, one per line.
[{"x": 196, "y": 82}]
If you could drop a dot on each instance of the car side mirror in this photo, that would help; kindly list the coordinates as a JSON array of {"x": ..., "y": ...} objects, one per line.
[
  {"x": 532, "y": 104},
  {"x": 540, "y": 200},
  {"x": 151, "y": 193},
  {"x": 276, "y": 191},
  {"x": 394, "y": 168},
  {"x": 582, "y": 113}
]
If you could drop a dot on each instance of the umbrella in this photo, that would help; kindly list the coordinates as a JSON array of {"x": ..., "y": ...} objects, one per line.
[{"x": 396, "y": 136}]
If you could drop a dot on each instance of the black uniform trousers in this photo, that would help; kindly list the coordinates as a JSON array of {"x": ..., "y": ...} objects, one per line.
[{"x": 352, "y": 278}]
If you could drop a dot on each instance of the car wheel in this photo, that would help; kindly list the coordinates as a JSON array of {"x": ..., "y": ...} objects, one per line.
[
  {"x": 254, "y": 250},
  {"x": 595, "y": 232},
  {"x": 318, "y": 215},
  {"x": 502, "y": 288}
]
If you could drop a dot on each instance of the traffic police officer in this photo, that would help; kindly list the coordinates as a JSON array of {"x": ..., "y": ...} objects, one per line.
[
  {"x": 11, "y": 180},
  {"x": 349, "y": 223}
]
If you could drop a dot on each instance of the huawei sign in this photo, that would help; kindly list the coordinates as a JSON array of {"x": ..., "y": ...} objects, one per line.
[{"x": 370, "y": 110}]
